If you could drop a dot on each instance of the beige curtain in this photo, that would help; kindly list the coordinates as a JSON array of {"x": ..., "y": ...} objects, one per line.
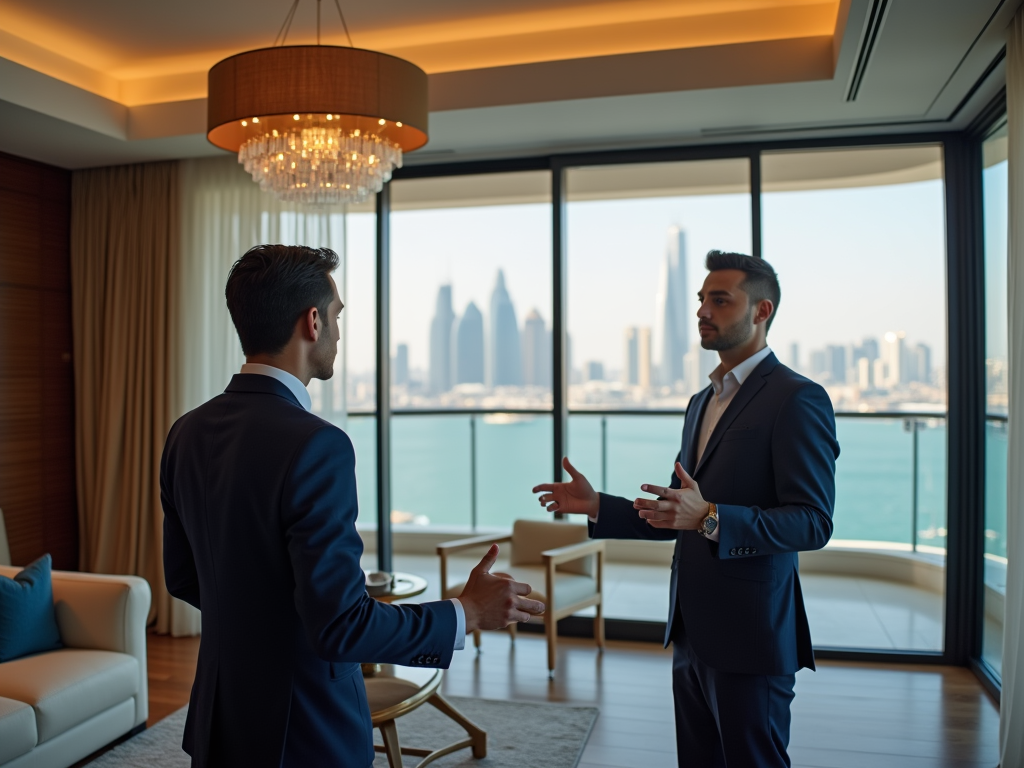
[
  {"x": 1011, "y": 711},
  {"x": 124, "y": 243}
]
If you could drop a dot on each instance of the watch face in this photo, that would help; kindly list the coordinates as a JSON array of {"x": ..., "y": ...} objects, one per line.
[{"x": 709, "y": 525}]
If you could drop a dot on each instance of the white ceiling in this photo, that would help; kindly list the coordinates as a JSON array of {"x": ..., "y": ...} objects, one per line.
[{"x": 925, "y": 73}]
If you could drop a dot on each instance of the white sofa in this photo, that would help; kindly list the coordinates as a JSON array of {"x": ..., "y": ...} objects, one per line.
[{"x": 58, "y": 707}]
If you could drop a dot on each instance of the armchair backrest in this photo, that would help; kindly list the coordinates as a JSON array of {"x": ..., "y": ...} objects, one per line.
[{"x": 531, "y": 537}]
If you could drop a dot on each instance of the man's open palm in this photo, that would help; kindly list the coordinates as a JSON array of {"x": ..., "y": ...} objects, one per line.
[{"x": 575, "y": 497}]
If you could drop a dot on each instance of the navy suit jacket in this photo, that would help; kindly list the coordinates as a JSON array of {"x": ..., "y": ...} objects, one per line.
[
  {"x": 259, "y": 501},
  {"x": 769, "y": 465}
]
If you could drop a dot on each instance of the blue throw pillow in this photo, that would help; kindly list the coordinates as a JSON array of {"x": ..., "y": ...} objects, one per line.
[{"x": 27, "y": 622}]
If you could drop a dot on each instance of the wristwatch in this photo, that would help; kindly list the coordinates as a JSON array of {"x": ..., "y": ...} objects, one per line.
[{"x": 710, "y": 523}]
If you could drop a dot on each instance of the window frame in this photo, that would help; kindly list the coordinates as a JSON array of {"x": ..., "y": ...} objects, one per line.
[{"x": 965, "y": 414}]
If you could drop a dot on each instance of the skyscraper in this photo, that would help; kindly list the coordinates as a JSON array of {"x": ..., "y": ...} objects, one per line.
[
  {"x": 504, "y": 363},
  {"x": 894, "y": 359},
  {"x": 671, "y": 312},
  {"x": 468, "y": 348},
  {"x": 637, "y": 370},
  {"x": 401, "y": 373},
  {"x": 631, "y": 370},
  {"x": 441, "y": 342},
  {"x": 700, "y": 363},
  {"x": 536, "y": 351}
]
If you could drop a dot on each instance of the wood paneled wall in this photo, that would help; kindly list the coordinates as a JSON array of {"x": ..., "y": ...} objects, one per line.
[{"x": 37, "y": 425}]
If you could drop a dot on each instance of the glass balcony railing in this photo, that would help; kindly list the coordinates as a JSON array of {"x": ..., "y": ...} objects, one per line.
[{"x": 474, "y": 470}]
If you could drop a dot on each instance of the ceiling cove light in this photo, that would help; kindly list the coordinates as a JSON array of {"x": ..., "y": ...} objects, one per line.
[{"x": 317, "y": 123}]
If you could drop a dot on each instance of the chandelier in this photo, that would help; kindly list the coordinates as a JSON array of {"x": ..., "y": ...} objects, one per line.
[{"x": 317, "y": 123}]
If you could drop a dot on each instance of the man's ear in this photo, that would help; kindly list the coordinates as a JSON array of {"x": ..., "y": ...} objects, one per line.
[
  {"x": 765, "y": 308},
  {"x": 313, "y": 324}
]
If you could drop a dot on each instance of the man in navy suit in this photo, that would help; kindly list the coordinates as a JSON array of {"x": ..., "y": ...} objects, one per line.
[
  {"x": 259, "y": 499},
  {"x": 754, "y": 484}
]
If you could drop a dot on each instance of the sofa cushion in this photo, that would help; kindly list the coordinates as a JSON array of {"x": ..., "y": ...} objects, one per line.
[
  {"x": 27, "y": 622},
  {"x": 17, "y": 729},
  {"x": 69, "y": 686}
]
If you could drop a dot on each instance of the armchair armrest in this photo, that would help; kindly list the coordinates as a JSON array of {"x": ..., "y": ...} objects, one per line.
[
  {"x": 104, "y": 613},
  {"x": 573, "y": 552},
  {"x": 458, "y": 545}
]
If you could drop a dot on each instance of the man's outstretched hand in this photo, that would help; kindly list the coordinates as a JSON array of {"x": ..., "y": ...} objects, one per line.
[
  {"x": 680, "y": 509},
  {"x": 492, "y": 601},
  {"x": 575, "y": 497}
]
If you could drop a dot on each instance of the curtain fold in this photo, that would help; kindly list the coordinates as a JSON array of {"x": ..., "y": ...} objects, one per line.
[
  {"x": 151, "y": 246},
  {"x": 124, "y": 233},
  {"x": 1011, "y": 711}
]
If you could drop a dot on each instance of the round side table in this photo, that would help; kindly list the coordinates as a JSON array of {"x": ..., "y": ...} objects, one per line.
[
  {"x": 403, "y": 585},
  {"x": 397, "y": 691}
]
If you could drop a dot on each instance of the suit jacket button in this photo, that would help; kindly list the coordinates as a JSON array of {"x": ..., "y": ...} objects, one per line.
[{"x": 733, "y": 551}]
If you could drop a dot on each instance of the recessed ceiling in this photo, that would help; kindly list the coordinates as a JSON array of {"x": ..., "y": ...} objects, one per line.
[{"x": 86, "y": 83}]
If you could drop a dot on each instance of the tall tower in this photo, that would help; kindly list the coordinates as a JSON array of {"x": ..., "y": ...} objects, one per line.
[
  {"x": 468, "y": 348},
  {"x": 671, "y": 312},
  {"x": 644, "y": 359},
  {"x": 504, "y": 364},
  {"x": 536, "y": 351},
  {"x": 401, "y": 371},
  {"x": 631, "y": 370},
  {"x": 441, "y": 342}
]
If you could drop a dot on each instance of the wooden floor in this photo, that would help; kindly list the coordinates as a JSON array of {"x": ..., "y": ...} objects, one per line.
[{"x": 846, "y": 715}]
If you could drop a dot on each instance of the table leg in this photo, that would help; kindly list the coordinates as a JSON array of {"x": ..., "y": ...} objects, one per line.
[
  {"x": 477, "y": 735},
  {"x": 389, "y": 733}
]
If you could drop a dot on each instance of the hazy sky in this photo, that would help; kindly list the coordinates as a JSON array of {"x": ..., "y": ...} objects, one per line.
[{"x": 852, "y": 263}]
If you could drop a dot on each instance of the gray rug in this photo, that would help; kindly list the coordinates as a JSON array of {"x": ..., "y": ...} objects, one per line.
[{"x": 518, "y": 734}]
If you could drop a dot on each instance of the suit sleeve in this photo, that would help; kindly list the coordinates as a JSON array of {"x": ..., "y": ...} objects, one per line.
[
  {"x": 342, "y": 622},
  {"x": 180, "y": 573},
  {"x": 804, "y": 451}
]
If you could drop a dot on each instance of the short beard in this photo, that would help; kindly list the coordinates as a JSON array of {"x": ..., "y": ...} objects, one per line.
[
  {"x": 324, "y": 354},
  {"x": 735, "y": 335}
]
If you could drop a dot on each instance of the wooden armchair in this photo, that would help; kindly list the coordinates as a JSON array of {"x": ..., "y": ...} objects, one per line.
[{"x": 559, "y": 560}]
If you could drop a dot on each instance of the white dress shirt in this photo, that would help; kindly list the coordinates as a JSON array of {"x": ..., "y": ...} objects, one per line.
[
  {"x": 726, "y": 384},
  {"x": 297, "y": 388}
]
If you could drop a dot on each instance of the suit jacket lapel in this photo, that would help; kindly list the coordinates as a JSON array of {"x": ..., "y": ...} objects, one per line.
[
  {"x": 691, "y": 430},
  {"x": 746, "y": 393}
]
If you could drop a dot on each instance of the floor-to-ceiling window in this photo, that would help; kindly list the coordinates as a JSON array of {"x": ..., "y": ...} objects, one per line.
[
  {"x": 857, "y": 237},
  {"x": 471, "y": 303},
  {"x": 359, "y": 329},
  {"x": 994, "y": 196},
  {"x": 637, "y": 236}
]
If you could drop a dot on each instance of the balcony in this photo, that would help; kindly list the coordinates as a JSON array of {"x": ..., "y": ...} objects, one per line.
[{"x": 879, "y": 584}]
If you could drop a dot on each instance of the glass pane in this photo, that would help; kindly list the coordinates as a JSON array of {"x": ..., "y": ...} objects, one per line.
[
  {"x": 471, "y": 292},
  {"x": 431, "y": 453},
  {"x": 995, "y": 197},
  {"x": 636, "y": 239},
  {"x": 514, "y": 453},
  {"x": 360, "y": 313},
  {"x": 858, "y": 239},
  {"x": 362, "y": 430}
]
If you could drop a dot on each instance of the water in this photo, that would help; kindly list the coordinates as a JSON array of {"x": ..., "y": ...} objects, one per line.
[{"x": 431, "y": 470}]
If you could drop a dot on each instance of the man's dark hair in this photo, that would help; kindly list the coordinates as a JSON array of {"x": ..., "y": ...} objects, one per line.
[
  {"x": 760, "y": 283},
  {"x": 271, "y": 287}
]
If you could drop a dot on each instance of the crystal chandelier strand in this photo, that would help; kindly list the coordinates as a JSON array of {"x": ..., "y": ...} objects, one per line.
[{"x": 320, "y": 164}]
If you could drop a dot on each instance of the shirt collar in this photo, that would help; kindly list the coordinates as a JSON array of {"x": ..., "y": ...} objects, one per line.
[
  {"x": 294, "y": 385},
  {"x": 740, "y": 372}
]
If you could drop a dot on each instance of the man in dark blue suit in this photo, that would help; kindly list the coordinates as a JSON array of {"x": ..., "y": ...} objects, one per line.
[
  {"x": 754, "y": 484},
  {"x": 259, "y": 499}
]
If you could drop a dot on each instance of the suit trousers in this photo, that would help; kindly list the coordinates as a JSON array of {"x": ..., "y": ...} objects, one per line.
[{"x": 728, "y": 720}]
